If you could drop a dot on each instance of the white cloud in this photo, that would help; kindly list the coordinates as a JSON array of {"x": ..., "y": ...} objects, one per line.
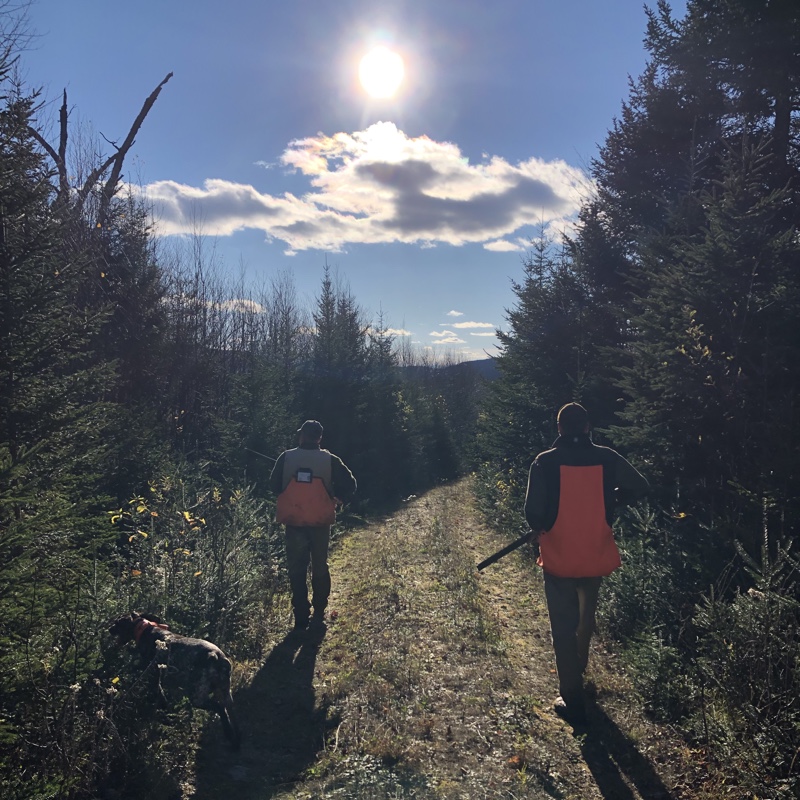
[
  {"x": 472, "y": 333},
  {"x": 236, "y": 305},
  {"x": 450, "y": 339},
  {"x": 474, "y": 325},
  {"x": 446, "y": 337},
  {"x": 503, "y": 246},
  {"x": 388, "y": 331},
  {"x": 377, "y": 186},
  {"x": 241, "y": 305},
  {"x": 454, "y": 314}
]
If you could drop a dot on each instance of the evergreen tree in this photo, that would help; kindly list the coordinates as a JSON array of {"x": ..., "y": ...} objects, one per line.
[
  {"x": 335, "y": 388},
  {"x": 728, "y": 69},
  {"x": 712, "y": 379},
  {"x": 695, "y": 207},
  {"x": 694, "y": 232},
  {"x": 552, "y": 354},
  {"x": 387, "y": 452},
  {"x": 54, "y": 455},
  {"x": 746, "y": 53}
]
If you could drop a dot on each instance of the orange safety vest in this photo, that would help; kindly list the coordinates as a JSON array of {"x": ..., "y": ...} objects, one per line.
[
  {"x": 581, "y": 543},
  {"x": 307, "y": 497}
]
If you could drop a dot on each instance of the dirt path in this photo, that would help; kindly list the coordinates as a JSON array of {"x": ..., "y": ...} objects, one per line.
[{"x": 432, "y": 681}]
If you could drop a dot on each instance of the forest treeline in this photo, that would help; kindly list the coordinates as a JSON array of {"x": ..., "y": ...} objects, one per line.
[{"x": 143, "y": 394}]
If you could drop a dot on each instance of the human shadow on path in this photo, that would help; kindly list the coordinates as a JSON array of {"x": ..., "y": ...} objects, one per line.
[
  {"x": 616, "y": 764},
  {"x": 282, "y": 731}
]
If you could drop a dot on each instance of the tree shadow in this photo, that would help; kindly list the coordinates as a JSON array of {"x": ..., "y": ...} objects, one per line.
[
  {"x": 615, "y": 763},
  {"x": 282, "y": 731}
]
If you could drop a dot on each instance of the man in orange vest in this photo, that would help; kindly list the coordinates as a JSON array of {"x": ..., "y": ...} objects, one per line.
[
  {"x": 573, "y": 489},
  {"x": 310, "y": 482}
]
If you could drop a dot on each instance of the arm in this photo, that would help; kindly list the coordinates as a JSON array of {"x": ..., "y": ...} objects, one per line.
[
  {"x": 536, "y": 497},
  {"x": 631, "y": 485},
  {"x": 344, "y": 483},
  {"x": 276, "y": 476}
]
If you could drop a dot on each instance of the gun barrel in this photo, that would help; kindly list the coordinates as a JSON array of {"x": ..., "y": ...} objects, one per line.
[
  {"x": 505, "y": 551},
  {"x": 250, "y": 450}
]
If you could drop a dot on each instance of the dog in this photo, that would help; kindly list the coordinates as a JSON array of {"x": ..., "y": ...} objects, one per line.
[{"x": 195, "y": 667}]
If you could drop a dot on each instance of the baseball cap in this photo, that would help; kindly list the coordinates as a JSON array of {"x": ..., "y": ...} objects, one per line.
[
  {"x": 311, "y": 428},
  {"x": 573, "y": 418}
]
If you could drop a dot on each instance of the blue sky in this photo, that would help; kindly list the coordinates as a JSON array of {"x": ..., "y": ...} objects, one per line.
[{"x": 425, "y": 204}]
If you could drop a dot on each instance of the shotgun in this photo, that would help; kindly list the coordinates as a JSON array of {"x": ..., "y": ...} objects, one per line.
[
  {"x": 526, "y": 537},
  {"x": 260, "y": 454}
]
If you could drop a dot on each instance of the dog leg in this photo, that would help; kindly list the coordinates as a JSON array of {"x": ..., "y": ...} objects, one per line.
[
  {"x": 161, "y": 696},
  {"x": 229, "y": 721},
  {"x": 221, "y": 702}
]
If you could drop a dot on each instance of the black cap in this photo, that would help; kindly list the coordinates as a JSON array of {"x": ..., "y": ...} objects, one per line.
[
  {"x": 573, "y": 419},
  {"x": 311, "y": 428}
]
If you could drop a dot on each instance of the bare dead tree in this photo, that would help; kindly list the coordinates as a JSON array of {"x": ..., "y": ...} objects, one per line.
[
  {"x": 15, "y": 33},
  {"x": 112, "y": 166}
]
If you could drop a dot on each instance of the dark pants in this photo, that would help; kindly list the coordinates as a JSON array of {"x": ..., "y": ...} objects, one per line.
[
  {"x": 304, "y": 545},
  {"x": 571, "y": 604}
]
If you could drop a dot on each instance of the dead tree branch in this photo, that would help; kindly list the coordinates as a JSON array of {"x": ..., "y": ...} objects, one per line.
[{"x": 113, "y": 162}]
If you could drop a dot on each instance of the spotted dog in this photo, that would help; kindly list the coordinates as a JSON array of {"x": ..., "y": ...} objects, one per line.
[{"x": 194, "y": 667}]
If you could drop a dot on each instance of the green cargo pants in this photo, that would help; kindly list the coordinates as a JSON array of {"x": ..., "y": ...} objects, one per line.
[
  {"x": 571, "y": 605},
  {"x": 303, "y": 546}
]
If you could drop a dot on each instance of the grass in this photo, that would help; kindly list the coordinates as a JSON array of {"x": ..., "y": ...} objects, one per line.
[
  {"x": 432, "y": 681},
  {"x": 417, "y": 655}
]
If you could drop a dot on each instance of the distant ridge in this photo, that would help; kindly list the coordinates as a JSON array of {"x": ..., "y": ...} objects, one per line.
[{"x": 483, "y": 367}]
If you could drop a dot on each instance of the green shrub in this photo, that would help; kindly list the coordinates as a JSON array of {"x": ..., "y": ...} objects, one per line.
[
  {"x": 205, "y": 558},
  {"x": 644, "y": 595},
  {"x": 661, "y": 677},
  {"x": 749, "y": 662}
]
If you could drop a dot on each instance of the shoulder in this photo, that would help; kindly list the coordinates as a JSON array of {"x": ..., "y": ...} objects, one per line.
[
  {"x": 609, "y": 456},
  {"x": 546, "y": 455},
  {"x": 605, "y": 452}
]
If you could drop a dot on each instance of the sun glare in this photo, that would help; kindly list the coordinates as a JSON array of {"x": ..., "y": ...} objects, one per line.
[{"x": 381, "y": 72}]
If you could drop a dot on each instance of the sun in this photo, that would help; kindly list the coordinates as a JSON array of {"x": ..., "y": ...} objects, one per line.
[{"x": 381, "y": 72}]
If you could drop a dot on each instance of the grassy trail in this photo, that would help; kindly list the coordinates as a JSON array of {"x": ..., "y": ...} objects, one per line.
[{"x": 434, "y": 681}]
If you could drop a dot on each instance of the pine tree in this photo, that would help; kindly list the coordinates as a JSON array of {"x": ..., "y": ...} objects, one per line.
[
  {"x": 713, "y": 378},
  {"x": 701, "y": 163},
  {"x": 54, "y": 453},
  {"x": 728, "y": 69},
  {"x": 335, "y": 388},
  {"x": 387, "y": 451},
  {"x": 552, "y": 354}
]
